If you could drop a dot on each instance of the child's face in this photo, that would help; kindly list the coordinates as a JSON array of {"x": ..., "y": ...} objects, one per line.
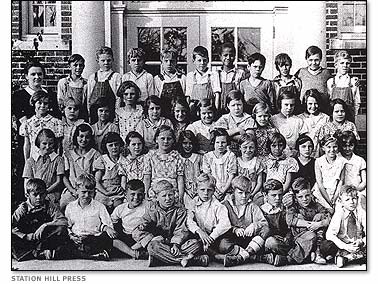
[
  {"x": 342, "y": 65},
  {"x": 220, "y": 145},
  {"x": 35, "y": 77},
  {"x": 85, "y": 195},
  {"x": 113, "y": 148},
  {"x": 154, "y": 112},
  {"x": 46, "y": 145},
  {"x": 313, "y": 62},
  {"x": 274, "y": 197},
  {"x": 168, "y": 64},
  {"x": 287, "y": 106},
  {"x": 136, "y": 64},
  {"x": 347, "y": 148},
  {"x": 135, "y": 146},
  {"x": 130, "y": 96},
  {"x": 205, "y": 191},
  {"x": 105, "y": 62},
  {"x": 236, "y": 107},
  {"x": 42, "y": 106},
  {"x": 262, "y": 118},
  {"x": 166, "y": 198},
  {"x": 312, "y": 105},
  {"x": 276, "y": 148},
  {"x": 304, "y": 197},
  {"x": 247, "y": 149},
  {"x": 83, "y": 139},
  {"x": 306, "y": 149},
  {"x": 180, "y": 113},
  {"x": 36, "y": 199},
  {"x": 207, "y": 115},
  {"x": 165, "y": 141},
  {"x": 284, "y": 69},
  {"x": 241, "y": 195},
  {"x": 338, "y": 113},
  {"x": 228, "y": 57},
  {"x": 77, "y": 68},
  {"x": 349, "y": 200},
  {"x": 135, "y": 197},
  {"x": 331, "y": 149},
  {"x": 256, "y": 68},
  {"x": 187, "y": 146},
  {"x": 103, "y": 114},
  {"x": 201, "y": 63},
  {"x": 71, "y": 111}
]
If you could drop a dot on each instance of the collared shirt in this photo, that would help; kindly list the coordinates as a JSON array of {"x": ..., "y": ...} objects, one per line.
[
  {"x": 269, "y": 209},
  {"x": 278, "y": 169},
  {"x": 133, "y": 168},
  {"x": 31, "y": 127},
  {"x": 168, "y": 79},
  {"x": 99, "y": 133},
  {"x": 90, "y": 220},
  {"x": 210, "y": 216},
  {"x": 80, "y": 83},
  {"x": 28, "y": 218},
  {"x": 202, "y": 131},
  {"x": 337, "y": 229},
  {"x": 149, "y": 129},
  {"x": 250, "y": 169},
  {"x": 279, "y": 83},
  {"x": 276, "y": 217},
  {"x": 168, "y": 223},
  {"x": 144, "y": 81},
  {"x": 68, "y": 132},
  {"x": 130, "y": 217},
  {"x": 196, "y": 77},
  {"x": 78, "y": 164},
  {"x": 234, "y": 75},
  {"x": 353, "y": 169},
  {"x": 229, "y": 121},
  {"x": 129, "y": 120},
  {"x": 114, "y": 82},
  {"x": 46, "y": 167},
  {"x": 111, "y": 169}
]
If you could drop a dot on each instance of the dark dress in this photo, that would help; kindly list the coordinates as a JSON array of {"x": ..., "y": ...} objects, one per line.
[{"x": 306, "y": 171}]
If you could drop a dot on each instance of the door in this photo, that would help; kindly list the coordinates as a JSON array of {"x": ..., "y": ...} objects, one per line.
[{"x": 154, "y": 33}]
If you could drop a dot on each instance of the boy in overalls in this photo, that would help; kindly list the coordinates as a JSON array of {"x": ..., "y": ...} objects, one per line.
[
  {"x": 169, "y": 84},
  {"x": 202, "y": 83},
  {"x": 103, "y": 84}
]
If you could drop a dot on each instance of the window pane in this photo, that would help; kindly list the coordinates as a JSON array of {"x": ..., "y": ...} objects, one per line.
[
  {"x": 347, "y": 19},
  {"x": 176, "y": 38},
  {"x": 38, "y": 16},
  {"x": 248, "y": 42},
  {"x": 360, "y": 15},
  {"x": 149, "y": 41},
  {"x": 218, "y": 37},
  {"x": 50, "y": 16}
]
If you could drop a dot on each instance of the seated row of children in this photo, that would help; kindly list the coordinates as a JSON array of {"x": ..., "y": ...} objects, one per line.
[{"x": 232, "y": 232}]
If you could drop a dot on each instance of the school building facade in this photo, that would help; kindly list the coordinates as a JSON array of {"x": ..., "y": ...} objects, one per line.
[{"x": 52, "y": 30}]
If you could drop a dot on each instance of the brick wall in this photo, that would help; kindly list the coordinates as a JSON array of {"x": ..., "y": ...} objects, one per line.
[{"x": 55, "y": 61}]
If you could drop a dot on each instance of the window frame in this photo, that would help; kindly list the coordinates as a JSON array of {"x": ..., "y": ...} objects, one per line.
[
  {"x": 46, "y": 30},
  {"x": 350, "y": 32}
]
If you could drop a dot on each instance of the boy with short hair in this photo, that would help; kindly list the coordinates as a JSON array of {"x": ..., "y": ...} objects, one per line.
[
  {"x": 307, "y": 220},
  {"x": 39, "y": 229},
  {"x": 208, "y": 218},
  {"x": 164, "y": 233},
  {"x": 249, "y": 226},
  {"x": 202, "y": 83},
  {"x": 346, "y": 234},
  {"x": 90, "y": 227},
  {"x": 130, "y": 214},
  {"x": 171, "y": 83},
  {"x": 229, "y": 75},
  {"x": 145, "y": 81},
  {"x": 279, "y": 242},
  {"x": 104, "y": 83}
]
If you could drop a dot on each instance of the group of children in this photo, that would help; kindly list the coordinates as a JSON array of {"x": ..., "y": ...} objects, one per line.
[{"x": 221, "y": 166}]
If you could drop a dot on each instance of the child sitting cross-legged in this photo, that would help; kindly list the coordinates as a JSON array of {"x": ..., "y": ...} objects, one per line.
[
  {"x": 208, "y": 218},
  {"x": 249, "y": 226},
  {"x": 130, "y": 215},
  {"x": 346, "y": 234},
  {"x": 90, "y": 227},
  {"x": 39, "y": 229},
  {"x": 164, "y": 233}
]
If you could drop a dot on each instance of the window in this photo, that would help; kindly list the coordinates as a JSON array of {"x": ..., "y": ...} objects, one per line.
[
  {"x": 246, "y": 42},
  {"x": 154, "y": 40},
  {"x": 43, "y": 16},
  {"x": 352, "y": 17}
]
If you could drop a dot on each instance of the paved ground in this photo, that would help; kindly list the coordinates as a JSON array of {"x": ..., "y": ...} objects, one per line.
[{"x": 120, "y": 264}]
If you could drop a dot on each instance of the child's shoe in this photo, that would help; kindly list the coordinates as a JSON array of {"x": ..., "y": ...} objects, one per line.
[
  {"x": 201, "y": 260},
  {"x": 340, "y": 261},
  {"x": 329, "y": 258},
  {"x": 152, "y": 262},
  {"x": 318, "y": 259},
  {"x": 280, "y": 260},
  {"x": 104, "y": 255},
  {"x": 141, "y": 254},
  {"x": 185, "y": 260},
  {"x": 49, "y": 254},
  {"x": 266, "y": 258},
  {"x": 233, "y": 260}
]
